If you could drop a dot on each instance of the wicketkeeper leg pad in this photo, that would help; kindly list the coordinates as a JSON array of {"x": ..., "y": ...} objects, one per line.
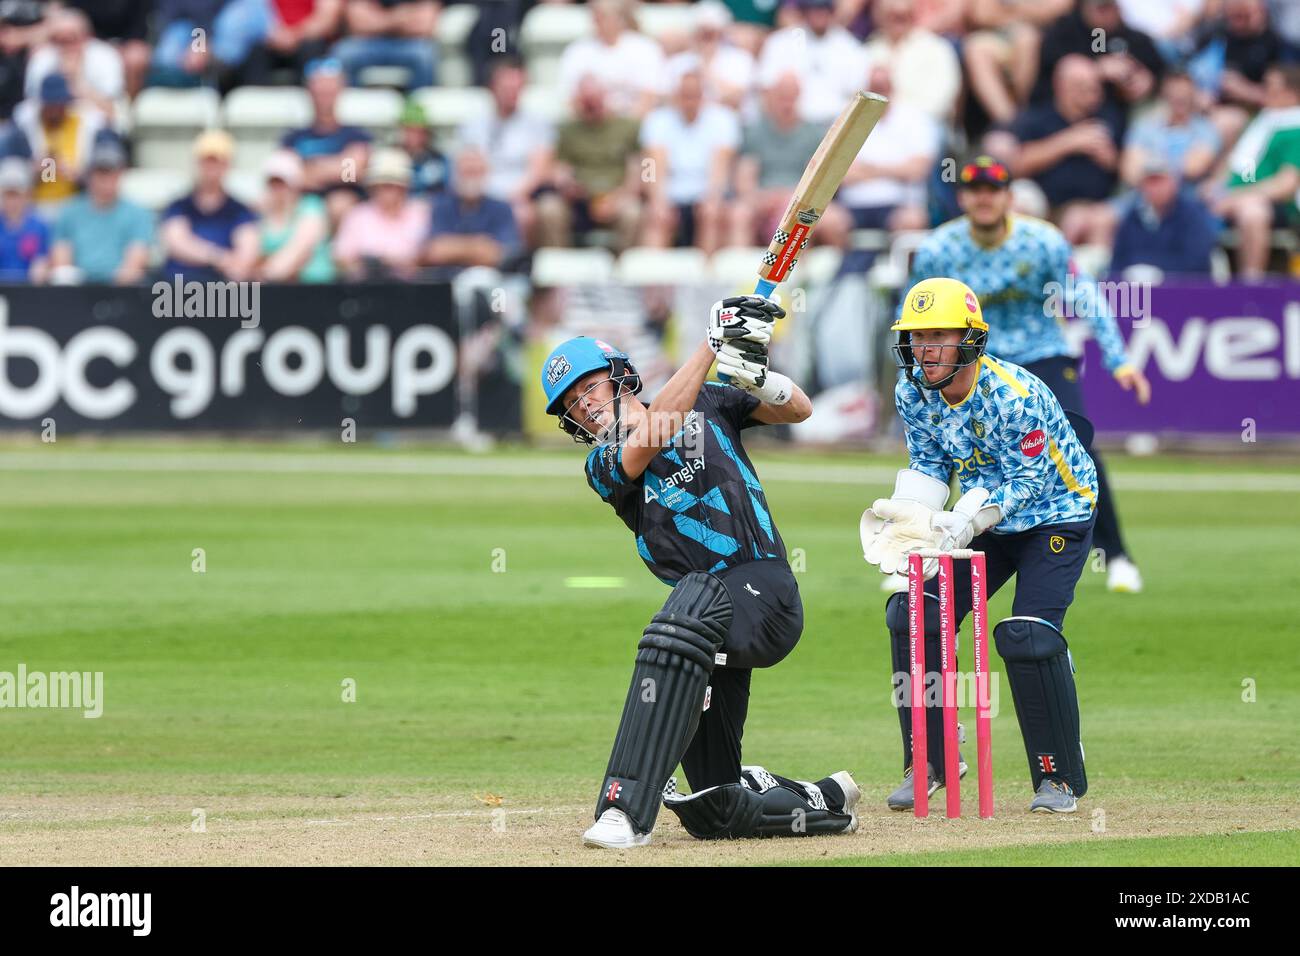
[
  {"x": 1041, "y": 675},
  {"x": 673, "y": 663},
  {"x": 762, "y": 804}
]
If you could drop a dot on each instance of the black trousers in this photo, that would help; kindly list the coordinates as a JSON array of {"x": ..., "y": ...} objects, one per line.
[
  {"x": 766, "y": 625},
  {"x": 1060, "y": 373}
]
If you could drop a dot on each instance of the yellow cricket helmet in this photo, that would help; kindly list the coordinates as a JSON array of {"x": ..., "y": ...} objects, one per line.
[{"x": 940, "y": 303}]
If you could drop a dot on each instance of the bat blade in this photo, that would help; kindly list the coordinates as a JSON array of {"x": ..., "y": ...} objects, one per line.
[{"x": 821, "y": 178}]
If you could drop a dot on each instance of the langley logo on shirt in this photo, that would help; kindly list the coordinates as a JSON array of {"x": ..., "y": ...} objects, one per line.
[{"x": 1032, "y": 445}]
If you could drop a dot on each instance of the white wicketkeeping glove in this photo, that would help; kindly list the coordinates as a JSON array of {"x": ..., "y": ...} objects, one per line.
[
  {"x": 969, "y": 516},
  {"x": 894, "y": 527}
]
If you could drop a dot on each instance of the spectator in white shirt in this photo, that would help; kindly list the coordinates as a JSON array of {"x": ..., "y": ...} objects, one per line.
[
  {"x": 830, "y": 62},
  {"x": 628, "y": 63},
  {"x": 728, "y": 70},
  {"x": 923, "y": 67},
  {"x": 690, "y": 147},
  {"x": 93, "y": 68},
  {"x": 522, "y": 145},
  {"x": 885, "y": 186}
]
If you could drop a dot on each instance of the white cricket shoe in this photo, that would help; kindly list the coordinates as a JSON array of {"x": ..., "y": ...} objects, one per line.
[
  {"x": 1123, "y": 577},
  {"x": 614, "y": 831},
  {"x": 852, "y": 794}
]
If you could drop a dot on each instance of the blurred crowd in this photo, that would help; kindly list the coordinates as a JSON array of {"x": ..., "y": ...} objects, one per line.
[{"x": 1158, "y": 130}]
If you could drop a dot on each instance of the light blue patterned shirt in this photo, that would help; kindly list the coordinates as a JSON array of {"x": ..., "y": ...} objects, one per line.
[
  {"x": 1009, "y": 435},
  {"x": 1013, "y": 282}
]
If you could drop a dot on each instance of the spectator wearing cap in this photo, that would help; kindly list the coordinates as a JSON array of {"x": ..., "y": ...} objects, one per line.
[
  {"x": 383, "y": 237},
  {"x": 430, "y": 168},
  {"x": 521, "y": 144},
  {"x": 924, "y": 71},
  {"x": 99, "y": 236},
  {"x": 729, "y": 71},
  {"x": 1070, "y": 147},
  {"x": 24, "y": 238},
  {"x": 626, "y": 62},
  {"x": 885, "y": 186},
  {"x": 774, "y": 151},
  {"x": 333, "y": 155},
  {"x": 1128, "y": 60},
  {"x": 293, "y": 232},
  {"x": 829, "y": 60},
  {"x": 1167, "y": 227},
  {"x": 209, "y": 235},
  {"x": 1263, "y": 172},
  {"x": 60, "y": 134},
  {"x": 469, "y": 228},
  {"x": 390, "y": 33},
  {"x": 690, "y": 146},
  {"x": 92, "y": 68},
  {"x": 1178, "y": 132},
  {"x": 597, "y": 174},
  {"x": 125, "y": 25},
  {"x": 298, "y": 31},
  {"x": 1001, "y": 52}
]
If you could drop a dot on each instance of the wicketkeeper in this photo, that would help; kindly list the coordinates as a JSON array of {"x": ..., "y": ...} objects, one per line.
[
  {"x": 677, "y": 474},
  {"x": 1029, "y": 494}
]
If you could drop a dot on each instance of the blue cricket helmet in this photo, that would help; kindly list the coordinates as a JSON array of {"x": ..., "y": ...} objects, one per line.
[{"x": 580, "y": 356}]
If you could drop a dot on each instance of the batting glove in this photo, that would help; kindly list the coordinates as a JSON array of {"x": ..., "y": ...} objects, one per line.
[{"x": 748, "y": 318}]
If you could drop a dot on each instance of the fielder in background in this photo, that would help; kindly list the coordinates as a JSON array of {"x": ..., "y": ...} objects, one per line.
[
  {"x": 677, "y": 475},
  {"x": 1016, "y": 265},
  {"x": 1029, "y": 491}
]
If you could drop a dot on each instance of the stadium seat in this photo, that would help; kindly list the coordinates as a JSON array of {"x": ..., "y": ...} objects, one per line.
[
  {"x": 546, "y": 30},
  {"x": 657, "y": 20},
  {"x": 259, "y": 116},
  {"x": 736, "y": 265},
  {"x": 544, "y": 102},
  {"x": 448, "y": 109},
  {"x": 818, "y": 265},
  {"x": 1092, "y": 259},
  {"x": 646, "y": 266},
  {"x": 165, "y": 123},
  {"x": 374, "y": 110},
  {"x": 155, "y": 188},
  {"x": 454, "y": 24},
  {"x": 246, "y": 185},
  {"x": 567, "y": 267}
]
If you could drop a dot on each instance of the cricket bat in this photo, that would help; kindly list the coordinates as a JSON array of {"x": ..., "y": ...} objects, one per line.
[{"x": 821, "y": 177}]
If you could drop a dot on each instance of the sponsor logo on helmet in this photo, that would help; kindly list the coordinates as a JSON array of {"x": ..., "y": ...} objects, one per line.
[
  {"x": 1056, "y": 543},
  {"x": 971, "y": 304},
  {"x": 922, "y": 301},
  {"x": 1032, "y": 445},
  {"x": 558, "y": 368},
  {"x": 603, "y": 346}
]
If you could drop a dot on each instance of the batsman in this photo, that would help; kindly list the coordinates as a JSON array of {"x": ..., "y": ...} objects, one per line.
[
  {"x": 678, "y": 476},
  {"x": 1028, "y": 500}
]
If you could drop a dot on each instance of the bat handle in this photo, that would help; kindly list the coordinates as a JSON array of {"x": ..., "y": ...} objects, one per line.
[{"x": 765, "y": 289}]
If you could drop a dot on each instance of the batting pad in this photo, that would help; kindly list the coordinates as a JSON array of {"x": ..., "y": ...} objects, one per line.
[{"x": 673, "y": 663}]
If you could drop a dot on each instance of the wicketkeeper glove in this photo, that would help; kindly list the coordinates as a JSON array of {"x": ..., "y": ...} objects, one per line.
[
  {"x": 894, "y": 527},
  {"x": 969, "y": 517}
]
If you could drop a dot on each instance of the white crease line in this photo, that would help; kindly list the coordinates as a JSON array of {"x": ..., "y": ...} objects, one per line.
[{"x": 548, "y": 466}]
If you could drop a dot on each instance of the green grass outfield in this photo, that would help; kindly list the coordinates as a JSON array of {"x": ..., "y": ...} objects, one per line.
[{"x": 437, "y": 582}]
